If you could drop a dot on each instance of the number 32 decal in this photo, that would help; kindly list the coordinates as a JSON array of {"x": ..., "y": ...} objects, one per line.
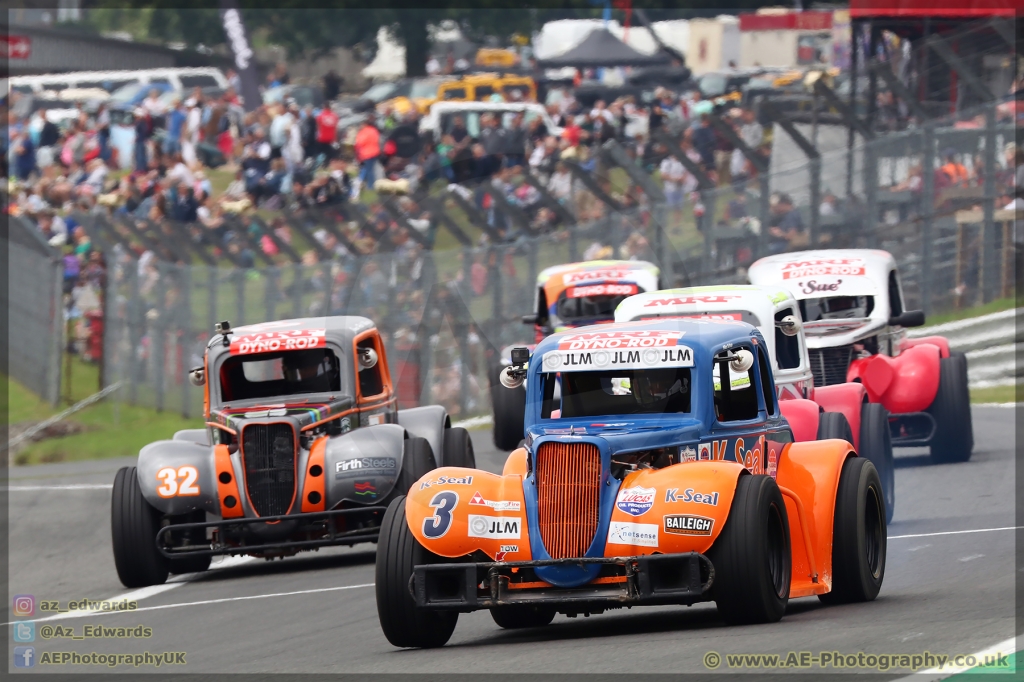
[
  {"x": 171, "y": 486},
  {"x": 436, "y": 526}
]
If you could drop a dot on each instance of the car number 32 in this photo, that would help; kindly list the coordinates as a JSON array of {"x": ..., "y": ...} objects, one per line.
[
  {"x": 437, "y": 525},
  {"x": 177, "y": 482}
]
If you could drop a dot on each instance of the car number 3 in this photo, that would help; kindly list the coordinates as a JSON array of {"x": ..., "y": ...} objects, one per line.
[
  {"x": 437, "y": 525},
  {"x": 171, "y": 486}
]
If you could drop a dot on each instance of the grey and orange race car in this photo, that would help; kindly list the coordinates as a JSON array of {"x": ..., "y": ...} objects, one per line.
[{"x": 304, "y": 447}]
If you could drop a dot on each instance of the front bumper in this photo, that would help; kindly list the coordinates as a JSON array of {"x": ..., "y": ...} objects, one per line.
[
  {"x": 623, "y": 581},
  {"x": 303, "y": 531}
]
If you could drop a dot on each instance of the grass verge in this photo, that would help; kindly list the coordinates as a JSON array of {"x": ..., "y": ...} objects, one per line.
[
  {"x": 994, "y": 394},
  {"x": 107, "y": 429},
  {"x": 995, "y": 306}
]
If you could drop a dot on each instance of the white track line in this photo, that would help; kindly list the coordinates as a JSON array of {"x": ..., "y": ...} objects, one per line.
[
  {"x": 953, "y": 532},
  {"x": 1006, "y": 647},
  {"x": 474, "y": 422},
  {"x": 76, "y": 614},
  {"x": 77, "y": 486}
]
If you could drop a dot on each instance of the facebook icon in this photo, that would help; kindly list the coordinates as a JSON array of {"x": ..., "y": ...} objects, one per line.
[{"x": 24, "y": 656}]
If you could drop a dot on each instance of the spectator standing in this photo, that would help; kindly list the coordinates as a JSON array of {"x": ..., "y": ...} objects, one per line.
[
  {"x": 704, "y": 142},
  {"x": 175, "y": 127},
  {"x": 332, "y": 85},
  {"x": 326, "y": 132},
  {"x": 142, "y": 131},
  {"x": 190, "y": 133},
  {"x": 367, "y": 152},
  {"x": 672, "y": 175}
]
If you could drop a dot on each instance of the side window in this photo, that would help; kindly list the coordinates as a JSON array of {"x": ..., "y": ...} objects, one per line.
[
  {"x": 895, "y": 302},
  {"x": 787, "y": 348},
  {"x": 371, "y": 381},
  {"x": 735, "y": 394},
  {"x": 454, "y": 94},
  {"x": 198, "y": 81},
  {"x": 767, "y": 382},
  {"x": 483, "y": 92}
]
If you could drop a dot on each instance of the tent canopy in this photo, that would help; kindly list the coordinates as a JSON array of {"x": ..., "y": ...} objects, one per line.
[{"x": 601, "y": 48}]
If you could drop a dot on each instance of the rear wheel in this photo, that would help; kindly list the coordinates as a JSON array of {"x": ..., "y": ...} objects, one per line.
[
  {"x": 398, "y": 552},
  {"x": 458, "y": 448},
  {"x": 133, "y": 526},
  {"x": 876, "y": 446},
  {"x": 751, "y": 556},
  {"x": 417, "y": 461},
  {"x": 951, "y": 409},
  {"x": 834, "y": 425},
  {"x": 509, "y": 405},
  {"x": 516, "y": 617},
  {"x": 858, "y": 535}
]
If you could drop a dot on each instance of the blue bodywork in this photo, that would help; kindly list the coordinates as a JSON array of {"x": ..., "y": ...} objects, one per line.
[{"x": 638, "y": 432}]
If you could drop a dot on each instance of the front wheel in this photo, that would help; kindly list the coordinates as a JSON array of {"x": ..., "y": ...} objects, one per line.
[
  {"x": 458, "y": 448},
  {"x": 417, "y": 461},
  {"x": 133, "y": 527},
  {"x": 518, "y": 617},
  {"x": 858, "y": 535},
  {"x": 876, "y": 445},
  {"x": 398, "y": 552},
  {"x": 751, "y": 556},
  {"x": 951, "y": 409},
  {"x": 509, "y": 405}
]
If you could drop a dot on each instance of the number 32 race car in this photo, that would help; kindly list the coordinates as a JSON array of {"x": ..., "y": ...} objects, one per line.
[
  {"x": 304, "y": 448},
  {"x": 657, "y": 469}
]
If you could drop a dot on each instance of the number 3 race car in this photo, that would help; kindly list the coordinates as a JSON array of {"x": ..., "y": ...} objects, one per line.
[
  {"x": 838, "y": 411},
  {"x": 851, "y": 302},
  {"x": 567, "y": 296},
  {"x": 661, "y": 471},
  {"x": 304, "y": 448}
]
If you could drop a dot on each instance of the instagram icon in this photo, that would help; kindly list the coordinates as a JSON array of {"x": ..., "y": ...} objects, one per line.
[{"x": 24, "y": 605}]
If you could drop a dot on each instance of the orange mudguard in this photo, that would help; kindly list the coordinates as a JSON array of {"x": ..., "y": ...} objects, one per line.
[{"x": 811, "y": 472}]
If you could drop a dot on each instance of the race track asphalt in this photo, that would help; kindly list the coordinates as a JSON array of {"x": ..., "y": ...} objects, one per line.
[{"x": 944, "y": 593}]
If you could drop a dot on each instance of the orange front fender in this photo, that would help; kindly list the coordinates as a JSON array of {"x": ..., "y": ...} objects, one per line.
[
  {"x": 811, "y": 472},
  {"x": 454, "y": 511}
]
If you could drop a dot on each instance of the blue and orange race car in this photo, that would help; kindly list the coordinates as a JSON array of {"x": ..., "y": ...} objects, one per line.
[{"x": 657, "y": 469}]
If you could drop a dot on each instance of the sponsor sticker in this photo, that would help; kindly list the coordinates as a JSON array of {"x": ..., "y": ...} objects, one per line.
[
  {"x": 597, "y": 275},
  {"x": 639, "y": 534},
  {"x": 270, "y": 341},
  {"x": 447, "y": 480},
  {"x": 688, "y": 524},
  {"x": 602, "y": 290},
  {"x": 494, "y": 527},
  {"x": 503, "y": 550},
  {"x": 816, "y": 267},
  {"x": 365, "y": 490},
  {"x": 597, "y": 360},
  {"x": 635, "y": 501},
  {"x": 496, "y": 505},
  {"x": 641, "y": 338},
  {"x": 689, "y": 495},
  {"x": 689, "y": 300},
  {"x": 362, "y": 466},
  {"x": 687, "y": 454},
  {"x": 704, "y": 452}
]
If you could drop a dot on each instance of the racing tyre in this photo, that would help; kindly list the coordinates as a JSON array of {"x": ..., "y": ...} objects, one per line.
[
  {"x": 751, "y": 557},
  {"x": 858, "y": 535},
  {"x": 834, "y": 425},
  {"x": 133, "y": 527},
  {"x": 516, "y": 617},
  {"x": 951, "y": 409},
  {"x": 417, "y": 461},
  {"x": 876, "y": 446},
  {"x": 191, "y": 564},
  {"x": 509, "y": 405},
  {"x": 397, "y": 553},
  {"x": 458, "y": 449}
]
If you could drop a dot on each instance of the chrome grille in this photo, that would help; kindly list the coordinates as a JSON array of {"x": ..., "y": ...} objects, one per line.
[
  {"x": 268, "y": 451},
  {"x": 568, "y": 492},
  {"x": 830, "y": 364}
]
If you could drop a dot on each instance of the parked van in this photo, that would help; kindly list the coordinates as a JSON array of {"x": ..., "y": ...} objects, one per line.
[
  {"x": 480, "y": 86},
  {"x": 442, "y": 116},
  {"x": 177, "y": 79}
]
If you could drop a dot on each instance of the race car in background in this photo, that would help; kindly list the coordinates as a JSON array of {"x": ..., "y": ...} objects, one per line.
[
  {"x": 657, "y": 469},
  {"x": 837, "y": 411},
  {"x": 855, "y": 320},
  {"x": 303, "y": 448},
  {"x": 566, "y": 296}
]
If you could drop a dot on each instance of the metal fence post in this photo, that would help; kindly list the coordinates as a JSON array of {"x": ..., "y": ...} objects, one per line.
[
  {"x": 990, "y": 263},
  {"x": 927, "y": 214}
]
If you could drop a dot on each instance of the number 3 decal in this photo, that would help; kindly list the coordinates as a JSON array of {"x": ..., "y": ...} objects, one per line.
[
  {"x": 436, "y": 526},
  {"x": 171, "y": 488}
]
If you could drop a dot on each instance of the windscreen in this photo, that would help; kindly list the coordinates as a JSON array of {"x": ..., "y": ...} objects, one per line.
[
  {"x": 596, "y": 301},
  {"x": 836, "y": 307},
  {"x": 264, "y": 375},
  {"x": 617, "y": 392}
]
